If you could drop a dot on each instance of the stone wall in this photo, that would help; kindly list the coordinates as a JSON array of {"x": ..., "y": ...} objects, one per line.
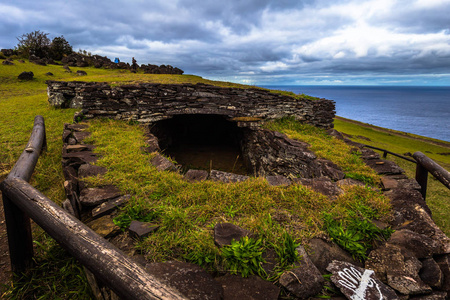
[{"x": 148, "y": 103}]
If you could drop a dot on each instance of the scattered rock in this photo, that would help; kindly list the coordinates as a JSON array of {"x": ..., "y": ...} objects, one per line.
[
  {"x": 162, "y": 164},
  {"x": 328, "y": 169},
  {"x": 96, "y": 196},
  {"x": 49, "y": 74},
  {"x": 226, "y": 177},
  {"x": 81, "y": 73},
  {"x": 189, "y": 279},
  {"x": 252, "y": 288},
  {"x": 7, "y": 63},
  {"x": 278, "y": 180},
  {"x": 104, "y": 226},
  {"x": 142, "y": 229},
  {"x": 358, "y": 283},
  {"x": 26, "y": 76},
  {"x": 304, "y": 281},
  {"x": 224, "y": 233},
  {"x": 322, "y": 253},
  {"x": 196, "y": 175}
]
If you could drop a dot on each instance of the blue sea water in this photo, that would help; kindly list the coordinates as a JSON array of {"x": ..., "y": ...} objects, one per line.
[{"x": 419, "y": 110}]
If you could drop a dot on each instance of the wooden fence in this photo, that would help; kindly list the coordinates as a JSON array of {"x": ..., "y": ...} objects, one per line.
[
  {"x": 424, "y": 165},
  {"x": 109, "y": 265}
]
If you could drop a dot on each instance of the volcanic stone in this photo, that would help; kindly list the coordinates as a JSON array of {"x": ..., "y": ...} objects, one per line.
[
  {"x": 430, "y": 273},
  {"x": 96, "y": 196},
  {"x": 142, "y": 229},
  {"x": 304, "y": 281},
  {"x": 191, "y": 280},
  {"x": 254, "y": 288},
  {"x": 196, "y": 175},
  {"x": 224, "y": 233},
  {"x": 358, "y": 283},
  {"x": 226, "y": 177},
  {"x": 278, "y": 180},
  {"x": 109, "y": 205},
  {"x": 26, "y": 76},
  {"x": 104, "y": 226},
  {"x": 162, "y": 164}
]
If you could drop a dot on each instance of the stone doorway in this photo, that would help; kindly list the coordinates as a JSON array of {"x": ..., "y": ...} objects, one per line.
[{"x": 202, "y": 141}]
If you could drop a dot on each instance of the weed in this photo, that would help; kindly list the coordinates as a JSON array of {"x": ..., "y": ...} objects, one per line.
[{"x": 244, "y": 257}]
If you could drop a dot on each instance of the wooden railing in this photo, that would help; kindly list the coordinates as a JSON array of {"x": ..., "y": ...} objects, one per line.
[
  {"x": 109, "y": 265},
  {"x": 424, "y": 165}
]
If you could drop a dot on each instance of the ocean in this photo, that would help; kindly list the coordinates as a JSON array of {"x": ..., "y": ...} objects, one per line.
[{"x": 419, "y": 110}]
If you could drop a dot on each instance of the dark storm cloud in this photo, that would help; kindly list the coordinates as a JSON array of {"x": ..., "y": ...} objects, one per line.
[{"x": 250, "y": 40}]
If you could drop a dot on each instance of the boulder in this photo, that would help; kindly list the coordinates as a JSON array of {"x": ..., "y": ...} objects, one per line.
[
  {"x": 7, "y": 63},
  {"x": 305, "y": 280},
  {"x": 358, "y": 283},
  {"x": 26, "y": 76},
  {"x": 253, "y": 287},
  {"x": 81, "y": 73},
  {"x": 419, "y": 244},
  {"x": 189, "y": 279},
  {"x": 444, "y": 264}
]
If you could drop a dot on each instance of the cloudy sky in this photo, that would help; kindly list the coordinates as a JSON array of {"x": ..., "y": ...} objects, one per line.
[{"x": 386, "y": 42}]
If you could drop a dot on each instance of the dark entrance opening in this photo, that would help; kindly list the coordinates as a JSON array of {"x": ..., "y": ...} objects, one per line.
[{"x": 202, "y": 142}]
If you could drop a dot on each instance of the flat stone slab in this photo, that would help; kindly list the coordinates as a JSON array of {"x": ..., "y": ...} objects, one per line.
[
  {"x": 367, "y": 153},
  {"x": 391, "y": 182},
  {"x": 278, "y": 180},
  {"x": 84, "y": 157},
  {"x": 142, "y": 229},
  {"x": 109, "y": 206},
  {"x": 358, "y": 283},
  {"x": 253, "y": 287},
  {"x": 96, "y": 196},
  {"x": 349, "y": 181},
  {"x": 196, "y": 175},
  {"x": 189, "y": 279},
  {"x": 226, "y": 177},
  {"x": 81, "y": 136},
  {"x": 104, "y": 226},
  {"x": 162, "y": 164},
  {"x": 224, "y": 233},
  {"x": 87, "y": 170},
  {"x": 384, "y": 167},
  {"x": 79, "y": 148}
]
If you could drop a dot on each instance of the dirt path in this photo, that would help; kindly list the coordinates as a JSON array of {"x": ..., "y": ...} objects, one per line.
[
  {"x": 5, "y": 267},
  {"x": 398, "y": 133}
]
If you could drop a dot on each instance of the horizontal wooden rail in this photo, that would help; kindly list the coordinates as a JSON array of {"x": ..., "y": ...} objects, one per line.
[
  {"x": 425, "y": 165},
  {"x": 385, "y": 153},
  {"x": 113, "y": 268}
]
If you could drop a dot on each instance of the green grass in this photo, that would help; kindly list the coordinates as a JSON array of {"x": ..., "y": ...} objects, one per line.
[
  {"x": 187, "y": 212},
  {"x": 398, "y": 142},
  {"x": 280, "y": 217}
]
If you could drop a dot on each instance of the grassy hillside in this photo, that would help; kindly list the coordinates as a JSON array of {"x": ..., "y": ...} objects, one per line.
[
  {"x": 403, "y": 143},
  {"x": 186, "y": 212}
]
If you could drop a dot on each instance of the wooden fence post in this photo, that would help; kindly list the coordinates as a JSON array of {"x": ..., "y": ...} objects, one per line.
[{"x": 20, "y": 240}]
